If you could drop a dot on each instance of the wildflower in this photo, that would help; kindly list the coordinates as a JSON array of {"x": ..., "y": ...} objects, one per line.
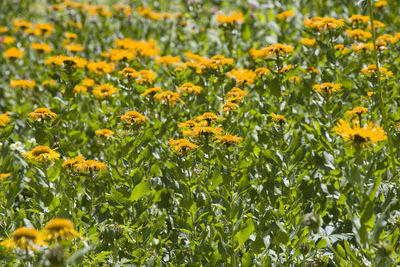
[
  {"x": 133, "y": 117},
  {"x": 388, "y": 38},
  {"x": 7, "y": 40},
  {"x": 357, "y": 111},
  {"x": 140, "y": 48},
  {"x": 360, "y": 136},
  {"x": 4, "y": 176},
  {"x": 285, "y": 69},
  {"x": 129, "y": 73},
  {"x": 44, "y": 28},
  {"x": 59, "y": 229},
  {"x": 279, "y": 119},
  {"x": 70, "y": 35},
  {"x": 370, "y": 70},
  {"x": 168, "y": 60},
  {"x": 105, "y": 132},
  {"x": 22, "y": 83},
  {"x": 242, "y": 76},
  {"x": 151, "y": 91},
  {"x": 209, "y": 117},
  {"x": 42, "y": 113},
  {"x": 327, "y": 88},
  {"x": 4, "y": 119},
  {"x": 229, "y": 106},
  {"x": 377, "y": 24},
  {"x": 73, "y": 47},
  {"x": 21, "y": 24},
  {"x": 119, "y": 54},
  {"x": 381, "y": 3},
  {"x": 229, "y": 140},
  {"x": 104, "y": 90},
  {"x": 235, "y": 17},
  {"x": 362, "y": 47},
  {"x": 262, "y": 71},
  {"x": 100, "y": 67},
  {"x": 188, "y": 124},
  {"x": 326, "y": 23},
  {"x": 206, "y": 131},
  {"x": 24, "y": 239},
  {"x": 169, "y": 97},
  {"x": 190, "y": 88},
  {"x": 87, "y": 82},
  {"x": 359, "y": 19},
  {"x": 42, "y": 154},
  {"x": 71, "y": 163},
  {"x": 218, "y": 61},
  {"x": 182, "y": 146},
  {"x": 295, "y": 79},
  {"x": 80, "y": 89},
  {"x": 308, "y": 42},
  {"x": 90, "y": 165},
  {"x": 358, "y": 34},
  {"x": 13, "y": 52},
  {"x": 311, "y": 70},
  {"x": 66, "y": 62},
  {"x": 236, "y": 93},
  {"x": 285, "y": 15},
  {"x": 41, "y": 47},
  {"x": 146, "y": 76},
  {"x": 275, "y": 49}
]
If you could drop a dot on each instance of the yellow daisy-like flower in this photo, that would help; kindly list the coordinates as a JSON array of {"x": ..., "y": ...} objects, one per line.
[
  {"x": 357, "y": 111},
  {"x": 14, "y": 53},
  {"x": 105, "y": 132},
  {"x": 151, "y": 91},
  {"x": 71, "y": 163},
  {"x": 381, "y": 3},
  {"x": 327, "y": 88},
  {"x": 188, "y": 124},
  {"x": 129, "y": 73},
  {"x": 104, "y": 90},
  {"x": 8, "y": 40},
  {"x": 182, "y": 146},
  {"x": 275, "y": 49},
  {"x": 285, "y": 15},
  {"x": 45, "y": 28},
  {"x": 41, "y": 47},
  {"x": 168, "y": 60},
  {"x": 42, "y": 154},
  {"x": 229, "y": 106},
  {"x": 360, "y": 136},
  {"x": 262, "y": 71},
  {"x": 327, "y": 23},
  {"x": 190, "y": 88},
  {"x": 70, "y": 35},
  {"x": 4, "y": 176},
  {"x": 358, "y": 34},
  {"x": 146, "y": 76},
  {"x": 133, "y": 117},
  {"x": 308, "y": 42},
  {"x": 66, "y": 62},
  {"x": 279, "y": 119},
  {"x": 169, "y": 97},
  {"x": 22, "y": 83},
  {"x": 4, "y": 119},
  {"x": 206, "y": 131},
  {"x": 236, "y": 95},
  {"x": 209, "y": 117},
  {"x": 59, "y": 229},
  {"x": 359, "y": 19},
  {"x": 242, "y": 76},
  {"x": 87, "y": 82},
  {"x": 100, "y": 68},
  {"x": 80, "y": 89},
  {"x": 90, "y": 165},
  {"x": 362, "y": 48},
  {"x": 42, "y": 113},
  {"x": 229, "y": 140},
  {"x": 73, "y": 47},
  {"x": 235, "y": 17},
  {"x": 24, "y": 239},
  {"x": 370, "y": 70}
]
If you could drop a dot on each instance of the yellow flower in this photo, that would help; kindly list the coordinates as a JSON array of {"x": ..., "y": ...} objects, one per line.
[
  {"x": 13, "y": 52},
  {"x": 360, "y": 136},
  {"x": 129, "y": 73},
  {"x": 21, "y": 24},
  {"x": 100, "y": 67},
  {"x": 206, "y": 131},
  {"x": 22, "y": 83},
  {"x": 190, "y": 88},
  {"x": 295, "y": 79},
  {"x": 133, "y": 117},
  {"x": 42, "y": 154},
  {"x": 275, "y": 49},
  {"x": 188, "y": 124},
  {"x": 45, "y": 28},
  {"x": 362, "y": 47},
  {"x": 262, "y": 71},
  {"x": 88, "y": 82},
  {"x": 229, "y": 106},
  {"x": 308, "y": 42},
  {"x": 236, "y": 94},
  {"x": 279, "y": 119},
  {"x": 357, "y": 111},
  {"x": 388, "y": 38},
  {"x": 42, "y": 113},
  {"x": 119, "y": 54},
  {"x": 168, "y": 97},
  {"x": 67, "y": 62},
  {"x": 168, "y": 60},
  {"x": 4, "y": 119},
  {"x": 140, "y": 48},
  {"x": 146, "y": 76},
  {"x": 327, "y": 88},
  {"x": 242, "y": 76},
  {"x": 3, "y": 176},
  {"x": 377, "y": 24},
  {"x": 105, "y": 132},
  {"x": 70, "y": 35},
  {"x": 8, "y": 40},
  {"x": 90, "y": 165},
  {"x": 311, "y": 70},
  {"x": 49, "y": 83},
  {"x": 59, "y": 229},
  {"x": 359, "y": 19},
  {"x": 381, "y": 3},
  {"x": 285, "y": 15},
  {"x": 71, "y": 163},
  {"x": 358, "y": 34},
  {"x": 24, "y": 239},
  {"x": 229, "y": 140},
  {"x": 41, "y": 47},
  {"x": 218, "y": 61},
  {"x": 326, "y": 23},
  {"x": 80, "y": 88},
  {"x": 209, "y": 117},
  {"x": 235, "y": 17},
  {"x": 73, "y": 47},
  {"x": 370, "y": 70},
  {"x": 104, "y": 90},
  {"x": 182, "y": 146},
  {"x": 151, "y": 91}
]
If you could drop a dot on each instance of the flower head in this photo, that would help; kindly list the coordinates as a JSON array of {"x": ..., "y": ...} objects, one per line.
[
  {"x": 285, "y": 15},
  {"x": 209, "y": 117},
  {"x": 24, "y": 239},
  {"x": 90, "y": 165},
  {"x": 327, "y": 88},
  {"x": 229, "y": 140},
  {"x": 13, "y": 52},
  {"x": 3, "y": 176},
  {"x": 4, "y": 119},
  {"x": 357, "y": 111},
  {"x": 205, "y": 131},
  {"x": 104, "y": 90},
  {"x": 242, "y": 76},
  {"x": 133, "y": 117},
  {"x": 100, "y": 67},
  {"x": 59, "y": 229},
  {"x": 71, "y": 163},
  {"x": 359, "y": 135},
  {"x": 42, "y": 154},
  {"x": 169, "y": 97},
  {"x": 182, "y": 146},
  {"x": 235, "y": 17},
  {"x": 22, "y": 84},
  {"x": 308, "y": 42},
  {"x": 190, "y": 88},
  {"x": 42, "y": 113},
  {"x": 279, "y": 119},
  {"x": 105, "y": 132},
  {"x": 41, "y": 47}
]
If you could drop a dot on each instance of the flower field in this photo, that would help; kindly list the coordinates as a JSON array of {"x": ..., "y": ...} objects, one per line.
[{"x": 199, "y": 133}]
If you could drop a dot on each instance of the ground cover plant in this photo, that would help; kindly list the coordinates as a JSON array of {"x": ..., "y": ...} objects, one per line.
[{"x": 199, "y": 133}]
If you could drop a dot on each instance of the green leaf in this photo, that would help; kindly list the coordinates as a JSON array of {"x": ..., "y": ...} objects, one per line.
[
  {"x": 244, "y": 234},
  {"x": 140, "y": 190}
]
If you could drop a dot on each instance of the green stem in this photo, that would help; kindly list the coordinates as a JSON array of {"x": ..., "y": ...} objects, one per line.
[
  {"x": 91, "y": 195},
  {"x": 232, "y": 194},
  {"x": 380, "y": 96}
]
